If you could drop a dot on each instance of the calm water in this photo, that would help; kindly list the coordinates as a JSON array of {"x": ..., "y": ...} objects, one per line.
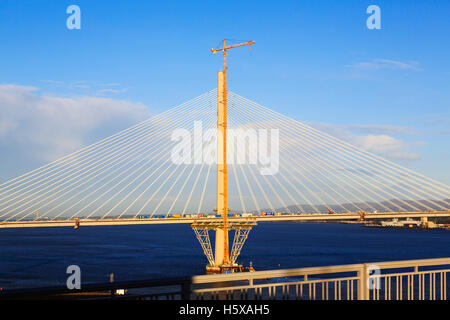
[{"x": 39, "y": 257}]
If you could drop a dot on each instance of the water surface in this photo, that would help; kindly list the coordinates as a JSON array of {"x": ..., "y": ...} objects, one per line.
[{"x": 39, "y": 257}]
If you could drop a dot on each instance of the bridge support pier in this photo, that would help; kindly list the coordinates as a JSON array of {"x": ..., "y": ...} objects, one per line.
[
  {"x": 219, "y": 256},
  {"x": 217, "y": 263},
  {"x": 424, "y": 222},
  {"x": 362, "y": 215}
]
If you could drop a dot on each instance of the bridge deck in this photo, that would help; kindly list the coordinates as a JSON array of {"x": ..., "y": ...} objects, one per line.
[{"x": 281, "y": 218}]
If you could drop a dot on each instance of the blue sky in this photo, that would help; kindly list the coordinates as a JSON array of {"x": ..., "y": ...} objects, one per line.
[{"x": 315, "y": 61}]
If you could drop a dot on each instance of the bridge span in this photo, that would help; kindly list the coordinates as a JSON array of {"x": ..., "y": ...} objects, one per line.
[{"x": 305, "y": 217}]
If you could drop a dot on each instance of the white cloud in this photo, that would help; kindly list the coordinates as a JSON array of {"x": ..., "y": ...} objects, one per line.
[
  {"x": 105, "y": 91},
  {"x": 381, "y": 143},
  {"x": 381, "y": 129},
  {"x": 49, "y": 127},
  {"x": 377, "y": 64},
  {"x": 85, "y": 87}
]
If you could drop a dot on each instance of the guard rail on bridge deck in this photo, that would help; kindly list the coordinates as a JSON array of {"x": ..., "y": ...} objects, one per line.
[{"x": 398, "y": 280}]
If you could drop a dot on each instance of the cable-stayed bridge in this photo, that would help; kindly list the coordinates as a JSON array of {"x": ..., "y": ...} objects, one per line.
[
  {"x": 134, "y": 173},
  {"x": 223, "y": 156}
]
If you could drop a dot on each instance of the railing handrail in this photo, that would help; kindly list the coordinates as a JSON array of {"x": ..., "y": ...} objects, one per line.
[
  {"x": 411, "y": 263},
  {"x": 257, "y": 275}
]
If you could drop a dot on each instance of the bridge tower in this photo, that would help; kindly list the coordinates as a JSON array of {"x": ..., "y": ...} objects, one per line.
[{"x": 222, "y": 260}]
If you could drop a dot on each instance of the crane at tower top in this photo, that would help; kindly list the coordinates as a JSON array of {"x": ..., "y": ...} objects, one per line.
[{"x": 225, "y": 48}]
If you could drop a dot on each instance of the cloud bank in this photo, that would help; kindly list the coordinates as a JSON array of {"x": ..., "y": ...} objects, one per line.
[
  {"x": 377, "y": 139},
  {"x": 377, "y": 64},
  {"x": 49, "y": 127}
]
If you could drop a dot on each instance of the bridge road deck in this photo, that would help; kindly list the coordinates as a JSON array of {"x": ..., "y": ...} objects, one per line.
[{"x": 280, "y": 218}]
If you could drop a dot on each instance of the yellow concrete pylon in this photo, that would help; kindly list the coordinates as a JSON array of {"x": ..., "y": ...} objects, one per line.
[{"x": 222, "y": 243}]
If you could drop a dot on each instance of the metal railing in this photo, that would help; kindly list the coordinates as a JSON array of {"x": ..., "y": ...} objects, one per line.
[{"x": 396, "y": 280}]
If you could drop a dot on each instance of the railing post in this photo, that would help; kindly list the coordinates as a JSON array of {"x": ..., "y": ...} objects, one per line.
[
  {"x": 363, "y": 289},
  {"x": 186, "y": 290}
]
